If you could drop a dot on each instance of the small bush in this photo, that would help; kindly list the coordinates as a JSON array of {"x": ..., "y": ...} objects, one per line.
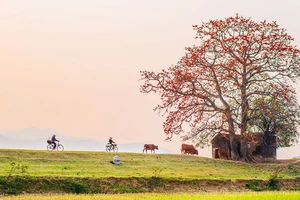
[
  {"x": 156, "y": 182},
  {"x": 77, "y": 188},
  {"x": 295, "y": 189},
  {"x": 16, "y": 168},
  {"x": 273, "y": 184},
  {"x": 293, "y": 171},
  {"x": 157, "y": 171},
  {"x": 254, "y": 185}
]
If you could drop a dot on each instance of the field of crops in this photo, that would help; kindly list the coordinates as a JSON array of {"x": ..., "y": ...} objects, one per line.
[{"x": 148, "y": 196}]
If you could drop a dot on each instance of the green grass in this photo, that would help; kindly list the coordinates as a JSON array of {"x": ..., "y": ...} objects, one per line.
[
  {"x": 69, "y": 172},
  {"x": 153, "y": 196},
  {"x": 168, "y": 166}
]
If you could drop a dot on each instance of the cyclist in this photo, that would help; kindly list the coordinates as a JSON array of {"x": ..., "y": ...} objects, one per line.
[
  {"x": 53, "y": 140},
  {"x": 110, "y": 141}
]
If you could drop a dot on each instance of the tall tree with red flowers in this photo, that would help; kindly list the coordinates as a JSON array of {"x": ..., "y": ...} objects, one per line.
[{"x": 214, "y": 85}]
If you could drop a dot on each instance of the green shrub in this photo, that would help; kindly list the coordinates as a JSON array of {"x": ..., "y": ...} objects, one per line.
[
  {"x": 293, "y": 171},
  {"x": 75, "y": 187},
  {"x": 273, "y": 184},
  {"x": 254, "y": 185}
]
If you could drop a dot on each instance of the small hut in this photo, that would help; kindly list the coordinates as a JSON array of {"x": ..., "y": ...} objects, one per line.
[
  {"x": 262, "y": 145},
  {"x": 220, "y": 141}
]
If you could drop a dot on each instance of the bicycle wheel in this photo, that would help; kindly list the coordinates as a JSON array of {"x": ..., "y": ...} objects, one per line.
[
  {"x": 60, "y": 147},
  {"x": 107, "y": 148},
  {"x": 49, "y": 147},
  {"x": 115, "y": 149}
]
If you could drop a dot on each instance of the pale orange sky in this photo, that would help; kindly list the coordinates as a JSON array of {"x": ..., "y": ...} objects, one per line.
[{"x": 73, "y": 65}]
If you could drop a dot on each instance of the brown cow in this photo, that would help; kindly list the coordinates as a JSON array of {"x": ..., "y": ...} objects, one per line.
[
  {"x": 188, "y": 149},
  {"x": 192, "y": 152},
  {"x": 151, "y": 147},
  {"x": 222, "y": 153}
]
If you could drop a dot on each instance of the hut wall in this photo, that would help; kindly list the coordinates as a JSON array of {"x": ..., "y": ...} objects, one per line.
[
  {"x": 268, "y": 149},
  {"x": 220, "y": 143}
]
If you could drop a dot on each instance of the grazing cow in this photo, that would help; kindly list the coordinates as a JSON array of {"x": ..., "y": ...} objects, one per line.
[
  {"x": 151, "y": 147},
  {"x": 222, "y": 153},
  {"x": 192, "y": 152},
  {"x": 188, "y": 149}
]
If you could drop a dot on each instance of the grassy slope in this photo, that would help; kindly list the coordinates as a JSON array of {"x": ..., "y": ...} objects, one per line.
[{"x": 97, "y": 164}]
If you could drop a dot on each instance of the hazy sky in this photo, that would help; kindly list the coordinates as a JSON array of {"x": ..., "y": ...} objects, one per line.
[{"x": 73, "y": 65}]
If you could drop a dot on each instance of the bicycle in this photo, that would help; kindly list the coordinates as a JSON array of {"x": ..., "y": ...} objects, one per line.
[
  {"x": 111, "y": 147},
  {"x": 59, "y": 147}
]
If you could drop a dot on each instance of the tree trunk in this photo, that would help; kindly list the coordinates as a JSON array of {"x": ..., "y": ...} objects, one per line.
[
  {"x": 234, "y": 148},
  {"x": 241, "y": 150},
  {"x": 233, "y": 142},
  {"x": 246, "y": 153}
]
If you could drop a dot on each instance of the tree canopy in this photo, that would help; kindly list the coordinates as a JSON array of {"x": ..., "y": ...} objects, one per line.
[
  {"x": 277, "y": 116},
  {"x": 214, "y": 87}
]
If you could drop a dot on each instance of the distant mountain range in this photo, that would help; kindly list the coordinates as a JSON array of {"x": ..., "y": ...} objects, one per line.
[{"x": 34, "y": 138}]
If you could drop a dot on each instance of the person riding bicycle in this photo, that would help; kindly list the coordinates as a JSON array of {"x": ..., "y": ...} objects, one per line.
[
  {"x": 111, "y": 145},
  {"x": 110, "y": 141},
  {"x": 53, "y": 140}
]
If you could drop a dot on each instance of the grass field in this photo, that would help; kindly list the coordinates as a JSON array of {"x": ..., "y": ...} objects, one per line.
[
  {"x": 210, "y": 196},
  {"x": 169, "y": 166},
  {"x": 34, "y": 172}
]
